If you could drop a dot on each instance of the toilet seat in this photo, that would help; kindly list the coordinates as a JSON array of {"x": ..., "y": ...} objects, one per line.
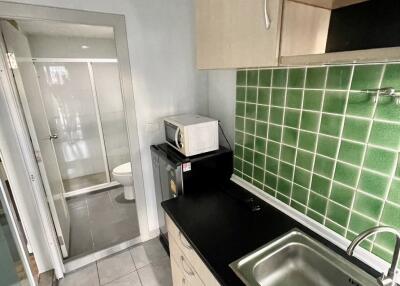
[{"x": 124, "y": 169}]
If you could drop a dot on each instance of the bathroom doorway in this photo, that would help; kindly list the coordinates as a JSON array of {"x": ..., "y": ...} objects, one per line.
[{"x": 68, "y": 83}]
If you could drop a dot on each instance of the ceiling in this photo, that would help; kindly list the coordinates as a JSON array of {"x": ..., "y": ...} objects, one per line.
[{"x": 65, "y": 29}]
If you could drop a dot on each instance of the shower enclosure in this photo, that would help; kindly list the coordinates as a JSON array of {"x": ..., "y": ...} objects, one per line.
[{"x": 83, "y": 105}]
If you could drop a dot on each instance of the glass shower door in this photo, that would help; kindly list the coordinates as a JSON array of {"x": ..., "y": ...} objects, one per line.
[{"x": 73, "y": 116}]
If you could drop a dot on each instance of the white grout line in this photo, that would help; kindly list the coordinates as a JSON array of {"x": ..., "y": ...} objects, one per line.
[
  {"x": 255, "y": 126},
  {"x": 339, "y": 144},
  {"x": 364, "y": 155}
]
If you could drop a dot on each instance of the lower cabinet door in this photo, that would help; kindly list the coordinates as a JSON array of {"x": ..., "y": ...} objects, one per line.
[{"x": 178, "y": 279}]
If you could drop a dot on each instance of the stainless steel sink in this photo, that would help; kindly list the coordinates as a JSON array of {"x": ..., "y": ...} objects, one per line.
[{"x": 296, "y": 259}]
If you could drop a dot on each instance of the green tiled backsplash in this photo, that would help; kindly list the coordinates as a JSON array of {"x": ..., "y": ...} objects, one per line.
[{"x": 311, "y": 138}]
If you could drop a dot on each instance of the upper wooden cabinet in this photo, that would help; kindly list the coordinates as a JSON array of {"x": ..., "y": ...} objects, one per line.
[{"x": 233, "y": 33}]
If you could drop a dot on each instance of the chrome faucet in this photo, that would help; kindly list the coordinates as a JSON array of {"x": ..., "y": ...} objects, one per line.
[{"x": 390, "y": 278}]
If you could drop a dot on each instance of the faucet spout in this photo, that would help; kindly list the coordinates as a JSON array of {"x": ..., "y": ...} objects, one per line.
[{"x": 390, "y": 278}]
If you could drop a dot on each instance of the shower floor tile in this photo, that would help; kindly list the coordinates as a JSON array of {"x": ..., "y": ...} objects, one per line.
[
  {"x": 84, "y": 181},
  {"x": 101, "y": 220}
]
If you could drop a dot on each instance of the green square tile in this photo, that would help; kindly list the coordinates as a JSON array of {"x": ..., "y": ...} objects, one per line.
[
  {"x": 250, "y": 126},
  {"x": 391, "y": 76},
  {"x": 320, "y": 185},
  {"x": 261, "y": 129},
  {"x": 275, "y": 133},
  {"x": 288, "y": 154},
  {"x": 335, "y": 102},
  {"x": 390, "y": 215},
  {"x": 307, "y": 141},
  {"x": 277, "y": 97},
  {"x": 341, "y": 194},
  {"x": 331, "y": 125},
  {"x": 269, "y": 191},
  {"x": 248, "y": 155},
  {"x": 247, "y": 178},
  {"x": 276, "y": 115},
  {"x": 313, "y": 100},
  {"x": 238, "y": 164},
  {"x": 387, "y": 110},
  {"x": 258, "y": 184},
  {"x": 346, "y": 174},
  {"x": 252, "y": 77},
  {"x": 302, "y": 177},
  {"x": 359, "y": 223},
  {"x": 271, "y": 165},
  {"x": 368, "y": 205},
  {"x": 317, "y": 203},
  {"x": 240, "y": 108},
  {"x": 397, "y": 172},
  {"x": 296, "y": 77},
  {"x": 386, "y": 135},
  {"x": 251, "y": 110},
  {"x": 286, "y": 171},
  {"x": 383, "y": 252},
  {"x": 366, "y": 244},
  {"x": 251, "y": 95},
  {"x": 299, "y": 207},
  {"x": 258, "y": 174},
  {"x": 315, "y": 216},
  {"x": 282, "y": 197},
  {"x": 279, "y": 77},
  {"x": 292, "y": 118},
  {"x": 366, "y": 76},
  {"x": 360, "y": 104},
  {"x": 327, "y": 146},
  {"x": 249, "y": 141},
  {"x": 294, "y": 98},
  {"x": 338, "y": 214},
  {"x": 262, "y": 113},
  {"x": 373, "y": 183},
  {"x": 355, "y": 129},
  {"x": 247, "y": 169},
  {"x": 300, "y": 194},
  {"x": 283, "y": 186},
  {"x": 270, "y": 180},
  {"x": 241, "y": 77},
  {"x": 324, "y": 166},
  {"x": 259, "y": 145},
  {"x": 289, "y": 136},
  {"x": 239, "y": 151},
  {"x": 265, "y": 77},
  {"x": 259, "y": 160},
  {"x": 239, "y": 137},
  {"x": 380, "y": 160},
  {"x": 263, "y": 96},
  {"x": 304, "y": 159},
  {"x": 338, "y": 77},
  {"x": 309, "y": 121},
  {"x": 316, "y": 77},
  {"x": 351, "y": 152},
  {"x": 273, "y": 149},
  {"x": 241, "y": 93},
  {"x": 394, "y": 192},
  {"x": 238, "y": 173},
  {"x": 335, "y": 227},
  {"x": 239, "y": 123}
]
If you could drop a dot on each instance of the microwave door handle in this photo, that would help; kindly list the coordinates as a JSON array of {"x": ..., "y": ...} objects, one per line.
[{"x": 176, "y": 138}]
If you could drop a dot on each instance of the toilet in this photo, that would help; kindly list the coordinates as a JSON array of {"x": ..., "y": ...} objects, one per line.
[{"x": 123, "y": 175}]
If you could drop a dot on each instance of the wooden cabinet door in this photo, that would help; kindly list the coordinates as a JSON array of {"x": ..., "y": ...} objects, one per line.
[{"x": 233, "y": 33}]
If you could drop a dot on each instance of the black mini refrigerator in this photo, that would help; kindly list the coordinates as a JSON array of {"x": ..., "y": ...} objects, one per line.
[{"x": 176, "y": 175}]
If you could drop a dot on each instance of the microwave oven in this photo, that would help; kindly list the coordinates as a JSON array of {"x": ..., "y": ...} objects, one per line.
[{"x": 191, "y": 134}]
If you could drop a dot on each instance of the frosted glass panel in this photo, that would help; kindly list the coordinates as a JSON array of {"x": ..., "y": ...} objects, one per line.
[
  {"x": 71, "y": 112},
  {"x": 112, "y": 115}
]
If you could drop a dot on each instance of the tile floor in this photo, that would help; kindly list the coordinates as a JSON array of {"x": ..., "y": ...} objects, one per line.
[
  {"x": 146, "y": 264},
  {"x": 100, "y": 220},
  {"x": 84, "y": 181}
]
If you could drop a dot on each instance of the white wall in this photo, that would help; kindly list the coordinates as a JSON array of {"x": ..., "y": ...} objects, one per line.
[
  {"x": 221, "y": 100},
  {"x": 162, "y": 54}
]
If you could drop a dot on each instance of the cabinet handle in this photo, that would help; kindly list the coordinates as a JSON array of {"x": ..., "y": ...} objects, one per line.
[
  {"x": 266, "y": 16},
  {"x": 183, "y": 281},
  {"x": 183, "y": 243},
  {"x": 188, "y": 272}
]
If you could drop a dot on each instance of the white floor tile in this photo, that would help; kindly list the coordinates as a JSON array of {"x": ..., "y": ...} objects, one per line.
[
  {"x": 86, "y": 276},
  {"x": 115, "y": 266},
  {"x": 132, "y": 279},
  {"x": 156, "y": 273},
  {"x": 147, "y": 253}
]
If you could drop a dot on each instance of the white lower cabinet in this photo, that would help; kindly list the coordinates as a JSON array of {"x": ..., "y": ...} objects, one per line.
[{"x": 187, "y": 267}]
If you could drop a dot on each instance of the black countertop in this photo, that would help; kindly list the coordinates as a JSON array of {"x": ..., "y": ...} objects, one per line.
[{"x": 222, "y": 226}]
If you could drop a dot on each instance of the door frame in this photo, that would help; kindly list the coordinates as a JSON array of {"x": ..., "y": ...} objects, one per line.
[{"x": 34, "y": 12}]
